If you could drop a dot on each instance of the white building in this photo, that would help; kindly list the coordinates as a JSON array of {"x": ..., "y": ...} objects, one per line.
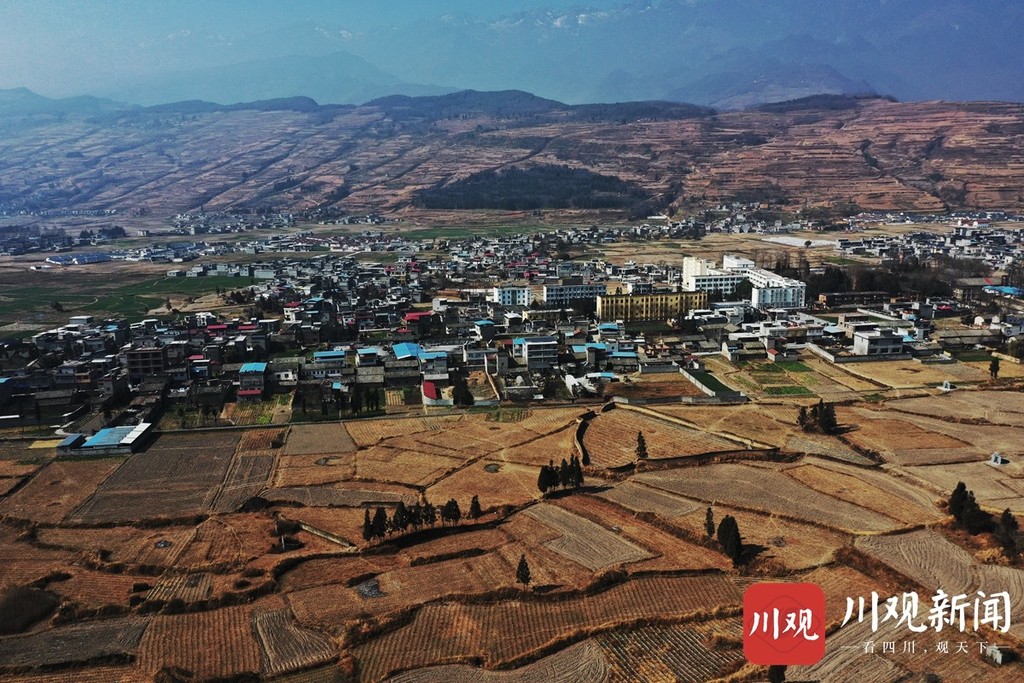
[
  {"x": 563, "y": 295},
  {"x": 769, "y": 289},
  {"x": 877, "y": 343},
  {"x": 512, "y": 295}
]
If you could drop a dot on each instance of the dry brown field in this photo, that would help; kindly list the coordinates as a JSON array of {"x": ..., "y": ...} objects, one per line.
[
  {"x": 410, "y": 467},
  {"x": 670, "y": 552},
  {"x": 286, "y": 647},
  {"x": 641, "y": 498},
  {"x": 369, "y": 432},
  {"x": 760, "y": 423},
  {"x": 255, "y": 441},
  {"x": 327, "y": 438},
  {"x": 58, "y": 489},
  {"x": 331, "y": 496},
  {"x": 8, "y": 483},
  {"x": 910, "y": 374},
  {"x": 18, "y": 468},
  {"x": 176, "y": 641},
  {"x": 179, "y": 475},
  {"x": 246, "y": 478},
  {"x": 585, "y": 542},
  {"x": 996, "y": 488},
  {"x": 679, "y": 652},
  {"x": 495, "y": 482},
  {"x": 190, "y": 587},
  {"x": 997, "y": 407},
  {"x": 509, "y": 629},
  {"x": 343, "y": 522},
  {"x": 668, "y": 385},
  {"x": 765, "y": 490},
  {"x": 925, "y": 557},
  {"x": 793, "y": 544},
  {"x": 869, "y": 489},
  {"x": 124, "y": 544},
  {"x": 93, "y": 589},
  {"x": 68, "y": 646},
  {"x": 580, "y": 663},
  {"x": 540, "y": 449},
  {"x": 611, "y": 437},
  {"x": 309, "y": 470},
  {"x": 890, "y": 436}
]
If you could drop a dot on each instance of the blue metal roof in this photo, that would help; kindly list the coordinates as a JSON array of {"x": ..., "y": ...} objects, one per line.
[
  {"x": 623, "y": 354},
  {"x": 328, "y": 355},
  {"x": 407, "y": 350},
  {"x": 483, "y": 323},
  {"x": 253, "y": 368},
  {"x": 110, "y": 436},
  {"x": 69, "y": 440},
  {"x": 433, "y": 355}
]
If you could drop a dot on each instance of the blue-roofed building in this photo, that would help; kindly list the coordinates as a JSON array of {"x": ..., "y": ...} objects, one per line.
[
  {"x": 484, "y": 329},
  {"x": 110, "y": 441},
  {"x": 252, "y": 381},
  {"x": 406, "y": 350},
  {"x": 328, "y": 356}
]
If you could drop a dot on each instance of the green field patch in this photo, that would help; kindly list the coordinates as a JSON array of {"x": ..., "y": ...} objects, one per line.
[
  {"x": 788, "y": 391},
  {"x": 792, "y": 366}
]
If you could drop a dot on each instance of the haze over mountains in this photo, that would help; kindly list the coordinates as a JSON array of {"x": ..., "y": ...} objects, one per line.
[{"x": 729, "y": 54}]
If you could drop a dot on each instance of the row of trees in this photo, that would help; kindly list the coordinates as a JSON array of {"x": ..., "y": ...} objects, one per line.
[
  {"x": 379, "y": 526},
  {"x": 820, "y": 418},
  {"x": 567, "y": 475},
  {"x": 974, "y": 520}
]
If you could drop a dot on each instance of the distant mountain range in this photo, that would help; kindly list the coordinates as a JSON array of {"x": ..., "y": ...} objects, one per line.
[
  {"x": 727, "y": 54},
  {"x": 506, "y": 150}
]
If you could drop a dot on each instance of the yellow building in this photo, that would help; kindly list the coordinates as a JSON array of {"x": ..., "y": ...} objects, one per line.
[{"x": 660, "y": 306}]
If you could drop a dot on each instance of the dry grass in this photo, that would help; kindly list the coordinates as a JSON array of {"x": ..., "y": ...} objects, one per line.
[
  {"x": 585, "y": 542},
  {"x": 611, "y": 438},
  {"x": 327, "y": 438},
  {"x": 510, "y": 484},
  {"x": 926, "y": 557},
  {"x": 58, "y": 489},
  {"x": 768, "y": 491}
]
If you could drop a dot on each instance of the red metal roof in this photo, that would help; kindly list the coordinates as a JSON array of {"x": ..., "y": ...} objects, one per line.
[
  {"x": 250, "y": 392},
  {"x": 430, "y": 391}
]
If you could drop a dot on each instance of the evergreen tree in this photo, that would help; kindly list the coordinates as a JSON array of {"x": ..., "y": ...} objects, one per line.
[
  {"x": 547, "y": 480},
  {"x": 450, "y": 512},
  {"x": 367, "y": 526},
  {"x": 957, "y": 500},
  {"x": 429, "y": 513},
  {"x": 777, "y": 673},
  {"x": 379, "y": 525},
  {"x": 400, "y": 518},
  {"x": 993, "y": 368},
  {"x": 523, "y": 571},
  {"x": 827, "y": 419},
  {"x": 564, "y": 475},
  {"x": 641, "y": 446},
  {"x": 474, "y": 508},
  {"x": 357, "y": 400},
  {"x": 803, "y": 419},
  {"x": 577, "y": 472},
  {"x": 709, "y": 522},
  {"x": 729, "y": 537}
]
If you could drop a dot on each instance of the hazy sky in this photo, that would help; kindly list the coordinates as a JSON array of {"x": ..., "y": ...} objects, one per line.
[{"x": 60, "y": 47}]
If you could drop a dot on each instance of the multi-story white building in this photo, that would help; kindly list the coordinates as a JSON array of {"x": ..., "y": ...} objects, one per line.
[
  {"x": 512, "y": 295},
  {"x": 564, "y": 294},
  {"x": 770, "y": 290},
  {"x": 539, "y": 353}
]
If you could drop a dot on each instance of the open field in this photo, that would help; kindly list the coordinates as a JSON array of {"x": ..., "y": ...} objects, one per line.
[
  {"x": 641, "y": 498},
  {"x": 172, "y": 641},
  {"x": 997, "y": 407},
  {"x": 247, "y": 477},
  {"x": 58, "y": 489},
  {"x": 679, "y": 652},
  {"x": 391, "y": 465},
  {"x": 510, "y": 629},
  {"x": 997, "y": 488},
  {"x": 495, "y": 481},
  {"x": 926, "y": 557},
  {"x": 326, "y": 438},
  {"x": 871, "y": 490},
  {"x": 286, "y": 647},
  {"x": 70, "y": 645},
  {"x": 583, "y": 541},
  {"x": 369, "y": 432},
  {"x": 662, "y": 385},
  {"x": 124, "y": 544},
  {"x": 768, "y": 491},
  {"x": 910, "y": 374},
  {"x": 177, "y": 476},
  {"x": 611, "y": 437},
  {"x": 581, "y": 663}
]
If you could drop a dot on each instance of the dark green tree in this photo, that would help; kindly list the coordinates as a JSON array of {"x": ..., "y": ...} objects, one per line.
[
  {"x": 709, "y": 522},
  {"x": 450, "y": 512},
  {"x": 803, "y": 419},
  {"x": 564, "y": 474},
  {"x": 474, "y": 508},
  {"x": 1006, "y": 533},
  {"x": 367, "y": 525},
  {"x": 429, "y": 513},
  {"x": 379, "y": 525},
  {"x": 400, "y": 517},
  {"x": 547, "y": 480},
  {"x": 730, "y": 539},
  {"x": 777, "y": 673},
  {"x": 357, "y": 400},
  {"x": 641, "y": 446},
  {"x": 577, "y": 472},
  {"x": 523, "y": 571},
  {"x": 827, "y": 419},
  {"x": 957, "y": 500},
  {"x": 993, "y": 368}
]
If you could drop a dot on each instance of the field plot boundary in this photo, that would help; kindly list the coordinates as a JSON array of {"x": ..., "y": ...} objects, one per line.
[{"x": 673, "y": 419}]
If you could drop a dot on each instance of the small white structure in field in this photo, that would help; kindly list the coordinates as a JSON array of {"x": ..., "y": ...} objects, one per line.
[
  {"x": 998, "y": 459},
  {"x": 998, "y": 655},
  {"x": 947, "y": 386}
]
